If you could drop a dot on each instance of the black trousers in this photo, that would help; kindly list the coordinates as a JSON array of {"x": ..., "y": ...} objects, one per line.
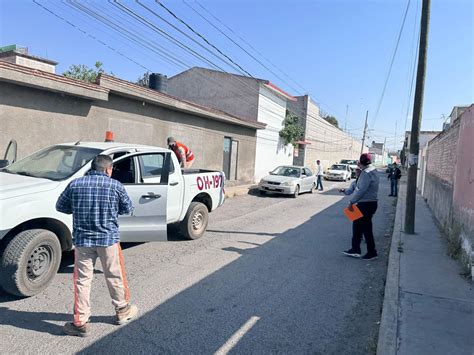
[
  {"x": 319, "y": 184},
  {"x": 363, "y": 227}
]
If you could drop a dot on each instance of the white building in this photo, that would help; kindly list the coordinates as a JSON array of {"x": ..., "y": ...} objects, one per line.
[{"x": 253, "y": 99}]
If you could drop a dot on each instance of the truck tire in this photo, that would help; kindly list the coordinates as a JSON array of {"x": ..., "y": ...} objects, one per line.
[
  {"x": 195, "y": 222},
  {"x": 29, "y": 262}
]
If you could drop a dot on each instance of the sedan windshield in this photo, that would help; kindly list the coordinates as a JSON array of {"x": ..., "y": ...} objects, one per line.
[
  {"x": 350, "y": 162},
  {"x": 54, "y": 163},
  {"x": 287, "y": 171},
  {"x": 338, "y": 167}
]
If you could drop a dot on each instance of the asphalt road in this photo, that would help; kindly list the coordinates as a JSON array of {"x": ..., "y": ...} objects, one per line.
[{"x": 268, "y": 277}]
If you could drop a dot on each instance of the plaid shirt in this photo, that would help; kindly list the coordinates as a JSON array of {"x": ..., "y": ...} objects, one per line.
[{"x": 95, "y": 201}]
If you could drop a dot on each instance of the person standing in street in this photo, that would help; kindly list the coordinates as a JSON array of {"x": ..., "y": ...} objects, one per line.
[
  {"x": 95, "y": 201},
  {"x": 394, "y": 175},
  {"x": 319, "y": 174},
  {"x": 365, "y": 197},
  {"x": 184, "y": 154}
]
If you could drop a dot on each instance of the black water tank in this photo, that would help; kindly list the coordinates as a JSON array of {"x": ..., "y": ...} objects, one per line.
[{"x": 158, "y": 82}]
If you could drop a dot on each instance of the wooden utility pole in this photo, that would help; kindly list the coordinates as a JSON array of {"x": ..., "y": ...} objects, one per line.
[
  {"x": 416, "y": 120},
  {"x": 365, "y": 132}
]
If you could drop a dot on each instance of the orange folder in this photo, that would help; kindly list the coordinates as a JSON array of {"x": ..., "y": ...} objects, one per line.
[{"x": 353, "y": 215}]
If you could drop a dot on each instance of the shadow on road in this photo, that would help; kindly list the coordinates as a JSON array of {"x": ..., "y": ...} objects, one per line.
[
  {"x": 41, "y": 321},
  {"x": 307, "y": 297}
]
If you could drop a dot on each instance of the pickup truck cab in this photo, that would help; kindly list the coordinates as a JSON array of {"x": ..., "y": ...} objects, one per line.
[{"x": 33, "y": 234}]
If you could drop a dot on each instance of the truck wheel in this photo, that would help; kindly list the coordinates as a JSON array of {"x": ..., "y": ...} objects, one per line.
[
  {"x": 29, "y": 262},
  {"x": 195, "y": 222}
]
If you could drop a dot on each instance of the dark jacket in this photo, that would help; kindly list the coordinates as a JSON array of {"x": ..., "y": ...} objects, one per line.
[{"x": 395, "y": 173}]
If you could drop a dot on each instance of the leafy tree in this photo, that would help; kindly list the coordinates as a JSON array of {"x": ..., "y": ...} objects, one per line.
[
  {"x": 332, "y": 120},
  {"x": 84, "y": 73},
  {"x": 144, "y": 80},
  {"x": 293, "y": 131}
]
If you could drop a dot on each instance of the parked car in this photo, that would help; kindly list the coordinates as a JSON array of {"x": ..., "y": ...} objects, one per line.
[
  {"x": 33, "y": 234},
  {"x": 340, "y": 172},
  {"x": 352, "y": 164},
  {"x": 288, "y": 180}
]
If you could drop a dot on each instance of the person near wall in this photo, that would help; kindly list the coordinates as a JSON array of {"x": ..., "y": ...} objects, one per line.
[
  {"x": 394, "y": 175},
  {"x": 183, "y": 153},
  {"x": 95, "y": 201},
  {"x": 319, "y": 174},
  {"x": 365, "y": 196}
]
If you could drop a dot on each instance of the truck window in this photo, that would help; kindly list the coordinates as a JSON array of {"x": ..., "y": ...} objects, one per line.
[
  {"x": 124, "y": 171},
  {"x": 151, "y": 167}
]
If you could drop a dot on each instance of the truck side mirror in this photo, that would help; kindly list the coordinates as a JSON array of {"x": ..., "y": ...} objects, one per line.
[{"x": 4, "y": 163}]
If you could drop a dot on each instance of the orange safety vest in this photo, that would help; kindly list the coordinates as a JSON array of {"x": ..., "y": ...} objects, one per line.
[{"x": 188, "y": 154}]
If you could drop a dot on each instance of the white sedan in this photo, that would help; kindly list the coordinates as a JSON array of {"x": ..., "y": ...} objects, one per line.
[
  {"x": 288, "y": 180},
  {"x": 341, "y": 172}
]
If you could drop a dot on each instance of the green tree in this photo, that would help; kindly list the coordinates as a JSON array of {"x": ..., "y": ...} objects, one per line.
[
  {"x": 143, "y": 80},
  {"x": 292, "y": 131},
  {"x": 84, "y": 73},
  {"x": 332, "y": 120}
]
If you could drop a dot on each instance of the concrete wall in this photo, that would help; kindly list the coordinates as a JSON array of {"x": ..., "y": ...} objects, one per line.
[
  {"x": 271, "y": 151},
  {"x": 38, "y": 118},
  {"x": 236, "y": 95},
  {"x": 328, "y": 143},
  {"x": 449, "y": 183}
]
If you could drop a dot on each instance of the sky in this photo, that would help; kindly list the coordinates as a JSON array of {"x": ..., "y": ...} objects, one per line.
[{"x": 337, "y": 51}]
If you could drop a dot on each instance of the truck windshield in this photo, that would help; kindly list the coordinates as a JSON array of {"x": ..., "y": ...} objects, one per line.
[{"x": 54, "y": 163}]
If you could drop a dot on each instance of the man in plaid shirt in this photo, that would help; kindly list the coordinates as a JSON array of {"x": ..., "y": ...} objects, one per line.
[{"x": 95, "y": 201}]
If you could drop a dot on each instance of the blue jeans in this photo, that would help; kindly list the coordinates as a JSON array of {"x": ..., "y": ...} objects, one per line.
[
  {"x": 394, "y": 187},
  {"x": 319, "y": 183}
]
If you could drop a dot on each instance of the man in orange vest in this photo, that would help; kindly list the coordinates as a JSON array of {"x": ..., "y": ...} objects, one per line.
[{"x": 184, "y": 154}]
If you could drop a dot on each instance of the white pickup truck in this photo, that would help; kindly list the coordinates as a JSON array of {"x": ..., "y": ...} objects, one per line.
[{"x": 33, "y": 234}]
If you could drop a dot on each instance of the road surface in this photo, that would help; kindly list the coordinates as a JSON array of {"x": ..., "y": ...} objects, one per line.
[{"x": 268, "y": 277}]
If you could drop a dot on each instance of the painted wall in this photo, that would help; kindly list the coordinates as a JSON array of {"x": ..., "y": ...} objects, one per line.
[
  {"x": 271, "y": 151},
  {"x": 449, "y": 182},
  {"x": 38, "y": 118}
]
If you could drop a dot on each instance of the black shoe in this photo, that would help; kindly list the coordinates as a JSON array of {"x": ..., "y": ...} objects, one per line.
[
  {"x": 370, "y": 256},
  {"x": 390, "y": 195},
  {"x": 352, "y": 253}
]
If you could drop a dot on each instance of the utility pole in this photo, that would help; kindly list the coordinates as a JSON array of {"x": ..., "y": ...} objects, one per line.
[
  {"x": 384, "y": 160},
  {"x": 416, "y": 120},
  {"x": 365, "y": 132}
]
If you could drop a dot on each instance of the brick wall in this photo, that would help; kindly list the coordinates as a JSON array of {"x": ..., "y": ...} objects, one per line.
[{"x": 442, "y": 154}]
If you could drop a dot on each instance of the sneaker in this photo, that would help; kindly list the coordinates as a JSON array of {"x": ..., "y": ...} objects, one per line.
[
  {"x": 74, "y": 330},
  {"x": 371, "y": 256},
  {"x": 125, "y": 314},
  {"x": 352, "y": 253}
]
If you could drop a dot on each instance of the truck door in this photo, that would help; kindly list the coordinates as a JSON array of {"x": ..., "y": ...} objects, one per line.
[{"x": 145, "y": 177}]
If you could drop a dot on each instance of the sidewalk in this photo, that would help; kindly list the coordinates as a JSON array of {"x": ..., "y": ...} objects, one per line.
[
  {"x": 428, "y": 306},
  {"x": 238, "y": 190}
]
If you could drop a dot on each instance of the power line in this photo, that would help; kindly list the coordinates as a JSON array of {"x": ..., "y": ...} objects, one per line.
[
  {"x": 196, "y": 33},
  {"x": 89, "y": 35},
  {"x": 379, "y": 104}
]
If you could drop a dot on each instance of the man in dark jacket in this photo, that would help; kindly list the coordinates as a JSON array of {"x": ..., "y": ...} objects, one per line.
[{"x": 394, "y": 175}]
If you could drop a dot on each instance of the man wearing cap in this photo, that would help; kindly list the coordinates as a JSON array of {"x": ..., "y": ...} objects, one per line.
[
  {"x": 394, "y": 175},
  {"x": 184, "y": 154},
  {"x": 366, "y": 199}
]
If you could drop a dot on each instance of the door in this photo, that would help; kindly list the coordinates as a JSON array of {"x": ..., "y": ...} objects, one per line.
[
  {"x": 227, "y": 157},
  {"x": 308, "y": 180},
  {"x": 175, "y": 194},
  {"x": 145, "y": 177},
  {"x": 234, "y": 157}
]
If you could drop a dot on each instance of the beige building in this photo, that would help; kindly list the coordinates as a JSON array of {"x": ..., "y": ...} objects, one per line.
[
  {"x": 39, "y": 108},
  {"x": 322, "y": 141}
]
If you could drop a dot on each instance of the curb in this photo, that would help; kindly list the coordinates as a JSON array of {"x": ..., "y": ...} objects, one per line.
[
  {"x": 388, "y": 332},
  {"x": 239, "y": 191}
]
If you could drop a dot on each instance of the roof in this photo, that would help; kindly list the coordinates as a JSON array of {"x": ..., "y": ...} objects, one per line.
[
  {"x": 128, "y": 89},
  {"x": 25, "y": 76},
  {"x": 267, "y": 83},
  {"x": 25, "y": 55}
]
